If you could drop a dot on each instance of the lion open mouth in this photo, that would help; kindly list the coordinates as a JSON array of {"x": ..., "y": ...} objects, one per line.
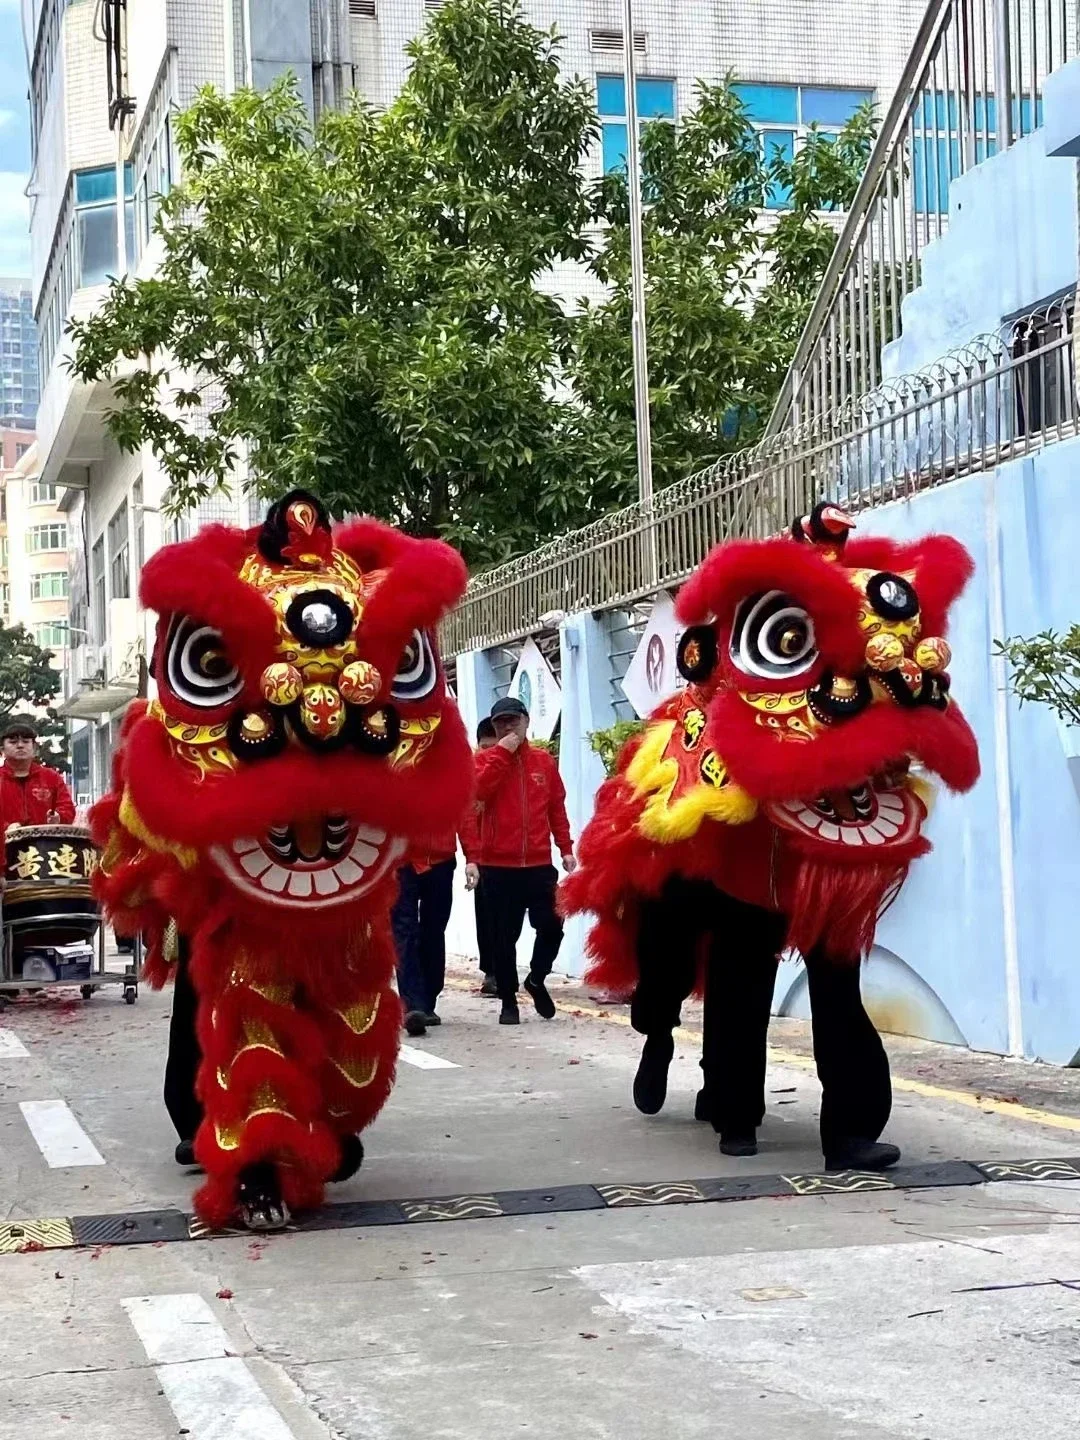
[
  {"x": 310, "y": 863},
  {"x": 867, "y": 815}
]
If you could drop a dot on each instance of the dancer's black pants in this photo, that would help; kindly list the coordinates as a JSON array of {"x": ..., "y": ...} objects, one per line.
[
  {"x": 182, "y": 1065},
  {"x": 742, "y": 944}
]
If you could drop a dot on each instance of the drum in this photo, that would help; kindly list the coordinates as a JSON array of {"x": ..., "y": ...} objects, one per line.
[{"x": 48, "y": 883}]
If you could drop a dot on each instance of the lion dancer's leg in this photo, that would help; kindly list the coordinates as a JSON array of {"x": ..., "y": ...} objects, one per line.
[
  {"x": 361, "y": 1030},
  {"x": 668, "y": 939},
  {"x": 856, "y": 1091},
  {"x": 264, "y": 1142},
  {"x": 744, "y": 952}
]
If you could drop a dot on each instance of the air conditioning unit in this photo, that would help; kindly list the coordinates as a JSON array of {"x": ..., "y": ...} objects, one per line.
[
  {"x": 86, "y": 664},
  {"x": 609, "y": 42}
]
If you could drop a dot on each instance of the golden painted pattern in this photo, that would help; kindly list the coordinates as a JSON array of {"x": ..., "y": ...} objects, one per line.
[
  {"x": 417, "y": 735},
  {"x": 357, "y": 1072},
  {"x": 184, "y": 731},
  {"x": 870, "y": 622},
  {"x": 360, "y": 1017}
]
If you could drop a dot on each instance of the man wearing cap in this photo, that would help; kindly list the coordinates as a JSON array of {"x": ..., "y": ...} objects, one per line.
[
  {"x": 30, "y": 793},
  {"x": 522, "y": 808}
]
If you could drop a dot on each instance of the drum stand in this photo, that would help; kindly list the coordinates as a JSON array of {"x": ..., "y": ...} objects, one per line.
[{"x": 10, "y": 985}]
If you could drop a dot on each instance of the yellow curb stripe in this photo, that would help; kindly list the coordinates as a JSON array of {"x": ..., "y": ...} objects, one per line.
[{"x": 1011, "y": 1109}]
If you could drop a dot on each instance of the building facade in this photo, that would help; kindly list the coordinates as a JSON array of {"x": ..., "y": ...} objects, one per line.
[
  {"x": 805, "y": 64},
  {"x": 19, "y": 387}
]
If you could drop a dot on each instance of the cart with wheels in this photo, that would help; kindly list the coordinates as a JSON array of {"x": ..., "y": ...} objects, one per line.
[{"x": 53, "y": 932}]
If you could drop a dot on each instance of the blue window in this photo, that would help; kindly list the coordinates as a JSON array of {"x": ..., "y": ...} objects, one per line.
[
  {"x": 655, "y": 101},
  {"x": 783, "y": 115},
  {"x": 936, "y": 155},
  {"x": 95, "y": 224}
]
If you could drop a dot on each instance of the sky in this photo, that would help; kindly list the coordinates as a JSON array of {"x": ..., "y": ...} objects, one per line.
[{"x": 14, "y": 144}]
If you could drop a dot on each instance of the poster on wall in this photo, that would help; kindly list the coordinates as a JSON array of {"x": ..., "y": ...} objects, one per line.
[
  {"x": 534, "y": 684},
  {"x": 652, "y": 675}
]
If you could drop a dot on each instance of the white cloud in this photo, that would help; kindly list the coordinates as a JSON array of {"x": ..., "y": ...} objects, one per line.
[{"x": 14, "y": 223}]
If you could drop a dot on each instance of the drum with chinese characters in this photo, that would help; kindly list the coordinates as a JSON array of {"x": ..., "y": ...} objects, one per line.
[{"x": 48, "y": 873}]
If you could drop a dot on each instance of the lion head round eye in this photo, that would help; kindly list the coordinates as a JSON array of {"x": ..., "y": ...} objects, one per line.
[
  {"x": 773, "y": 637},
  {"x": 319, "y": 619},
  {"x": 197, "y": 666},
  {"x": 892, "y": 597},
  {"x": 417, "y": 671}
]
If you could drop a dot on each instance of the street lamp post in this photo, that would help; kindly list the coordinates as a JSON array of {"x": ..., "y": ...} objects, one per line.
[{"x": 637, "y": 265}]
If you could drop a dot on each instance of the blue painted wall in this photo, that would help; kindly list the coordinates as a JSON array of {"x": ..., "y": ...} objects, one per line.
[{"x": 1011, "y": 243}]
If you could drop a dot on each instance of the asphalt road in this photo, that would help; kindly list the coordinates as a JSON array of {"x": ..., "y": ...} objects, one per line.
[{"x": 936, "y": 1310}]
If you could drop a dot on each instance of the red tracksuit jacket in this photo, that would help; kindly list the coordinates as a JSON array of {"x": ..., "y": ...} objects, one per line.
[
  {"x": 521, "y": 807},
  {"x": 30, "y": 801}
]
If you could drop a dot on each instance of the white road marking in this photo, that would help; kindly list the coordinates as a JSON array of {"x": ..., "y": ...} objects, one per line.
[
  {"x": 425, "y": 1060},
  {"x": 213, "y": 1394},
  {"x": 10, "y": 1044},
  {"x": 60, "y": 1137}
]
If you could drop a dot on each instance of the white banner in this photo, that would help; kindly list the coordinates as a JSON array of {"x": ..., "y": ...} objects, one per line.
[
  {"x": 535, "y": 686},
  {"x": 652, "y": 675}
]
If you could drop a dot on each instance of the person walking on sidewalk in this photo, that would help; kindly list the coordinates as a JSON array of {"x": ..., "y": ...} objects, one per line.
[
  {"x": 485, "y": 739},
  {"x": 522, "y": 809},
  {"x": 419, "y": 919}
]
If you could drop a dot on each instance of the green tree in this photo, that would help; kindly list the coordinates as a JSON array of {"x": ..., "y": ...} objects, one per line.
[
  {"x": 729, "y": 283},
  {"x": 28, "y": 685},
  {"x": 358, "y": 304},
  {"x": 1046, "y": 671},
  {"x": 355, "y": 307}
]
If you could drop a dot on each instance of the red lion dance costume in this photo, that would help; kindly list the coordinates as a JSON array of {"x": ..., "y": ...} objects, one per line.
[
  {"x": 300, "y": 742},
  {"x": 774, "y": 803}
]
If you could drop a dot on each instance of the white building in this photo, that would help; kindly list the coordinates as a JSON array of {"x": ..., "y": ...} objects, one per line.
[{"x": 814, "y": 61}]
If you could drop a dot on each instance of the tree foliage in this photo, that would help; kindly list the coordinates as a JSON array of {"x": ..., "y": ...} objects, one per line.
[
  {"x": 363, "y": 308},
  {"x": 28, "y": 683},
  {"x": 1046, "y": 671}
]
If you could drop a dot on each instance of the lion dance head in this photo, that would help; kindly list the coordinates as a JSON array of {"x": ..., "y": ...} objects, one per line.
[
  {"x": 300, "y": 742},
  {"x": 794, "y": 769}
]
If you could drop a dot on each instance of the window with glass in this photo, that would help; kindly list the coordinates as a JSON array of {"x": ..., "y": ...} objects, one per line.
[
  {"x": 936, "y": 141},
  {"x": 3, "y": 552},
  {"x": 783, "y": 115},
  {"x": 655, "y": 101},
  {"x": 95, "y": 223},
  {"x": 5, "y": 598},
  {"x": 21, "y": 447},
  {"x": 42, "y": 494},
  {"x": 119, "y": 554},
  {"x": 51, "y": 634},
  {"x": 49, "y": 585},
  {"x": 97, "y": 581},
  {"x": 152, "y": 164},
  {"x": 43, "y": 538}
]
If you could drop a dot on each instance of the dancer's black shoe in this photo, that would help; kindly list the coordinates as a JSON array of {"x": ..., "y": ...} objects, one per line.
[
  {"x": 650, "y": 1082},
  {"x": 856, "y": 1154}
]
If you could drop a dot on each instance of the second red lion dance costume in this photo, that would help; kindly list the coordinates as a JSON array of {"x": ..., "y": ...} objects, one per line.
[
  {"x": 773, "y": 803},
  {"x": 300, "y": 742}
]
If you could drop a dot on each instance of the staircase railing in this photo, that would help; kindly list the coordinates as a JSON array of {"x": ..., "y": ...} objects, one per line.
[{"x": 972, "y": 86}]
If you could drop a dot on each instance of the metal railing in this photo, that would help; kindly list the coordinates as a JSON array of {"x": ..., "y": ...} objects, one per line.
[
  {"x": 1000, "y": 397},
  {"x": 971, "y": 87}
]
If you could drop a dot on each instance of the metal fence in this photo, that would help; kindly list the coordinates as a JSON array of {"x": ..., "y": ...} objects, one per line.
[
  {"x": 1001, "y": 397},
  {"x": 971, "y": 87}
]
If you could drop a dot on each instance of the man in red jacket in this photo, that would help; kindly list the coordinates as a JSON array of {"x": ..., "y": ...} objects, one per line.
[
  {"x": 30, "y": 793},
  {"x": 522, "y": 807}
]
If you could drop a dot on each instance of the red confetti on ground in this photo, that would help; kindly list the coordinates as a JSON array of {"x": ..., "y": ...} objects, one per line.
[
  {"x": 29, "y": 1246},
  {"x": 224, "y": 1294},
  {"x": 573, "y": 1062}
]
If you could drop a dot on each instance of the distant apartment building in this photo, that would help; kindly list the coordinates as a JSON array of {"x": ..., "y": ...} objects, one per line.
[
  {"x": 800, "y": 65},
  {"x": 19, "y": 388},
  {"x": 33, "y": 547}
]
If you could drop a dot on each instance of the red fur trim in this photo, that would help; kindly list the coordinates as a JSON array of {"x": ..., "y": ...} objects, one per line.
[
  {"x": 174, "y": 802},
  {"x": 423, "y": 580},
  {"x": 741, "y": 568},
  {"x": 771, "y": 767},
  {"x": 838, "y": 906}
]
